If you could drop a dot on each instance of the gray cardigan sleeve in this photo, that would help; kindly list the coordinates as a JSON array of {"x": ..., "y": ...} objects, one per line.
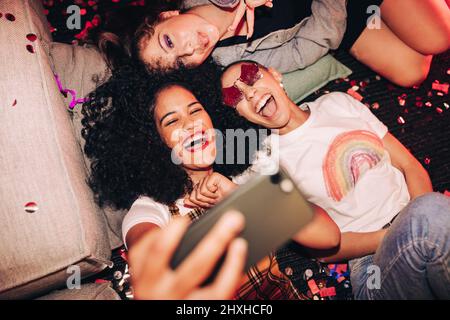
[
  {"x": 187, "y": 4},
  {"x": 322, "y": 31}
]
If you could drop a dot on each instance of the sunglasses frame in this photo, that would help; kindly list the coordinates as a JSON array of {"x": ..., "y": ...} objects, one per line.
[{"x": 237, "y": 97}]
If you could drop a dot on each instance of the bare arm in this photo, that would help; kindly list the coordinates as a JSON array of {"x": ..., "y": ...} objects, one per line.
[
  {"x": 136, "y": 233},
  {"x": 417, "y": 178},
  {"x": 321, "y": 233},
  {"x": 353, "y": 245}
]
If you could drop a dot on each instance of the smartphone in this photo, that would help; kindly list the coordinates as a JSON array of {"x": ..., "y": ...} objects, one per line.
[{"x": 274, "y": 211}]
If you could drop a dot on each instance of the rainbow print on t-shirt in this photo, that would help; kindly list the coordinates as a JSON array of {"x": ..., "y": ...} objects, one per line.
[{"x": 349, "y": 156}]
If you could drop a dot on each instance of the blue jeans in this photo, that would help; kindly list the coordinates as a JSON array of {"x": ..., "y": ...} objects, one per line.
[{"x": 413, "y": 261}]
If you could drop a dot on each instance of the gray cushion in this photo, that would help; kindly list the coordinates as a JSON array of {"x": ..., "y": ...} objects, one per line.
[
  {"x": 91, "y": 291},
  {"x": 40, "y": 162},
  {"x": 300, "y": 84},
  {"x": 81, "y": 69}
]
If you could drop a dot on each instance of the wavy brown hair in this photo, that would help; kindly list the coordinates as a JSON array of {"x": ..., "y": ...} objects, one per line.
[{"x": 122, "y": 32}]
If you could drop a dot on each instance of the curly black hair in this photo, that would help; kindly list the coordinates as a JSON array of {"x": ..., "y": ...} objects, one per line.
[{"x": 128, "y": 157}]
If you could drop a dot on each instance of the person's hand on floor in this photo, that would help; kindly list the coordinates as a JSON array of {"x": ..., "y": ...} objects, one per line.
[
  {"x": 210, "y": 191},
  {"x": 153, "y": 278},
  {"x": 247, "y": 8}
]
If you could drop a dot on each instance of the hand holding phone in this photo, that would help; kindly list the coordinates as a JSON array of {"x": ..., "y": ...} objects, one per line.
[
  {"x": 274, "y": 211},
  {"x": 153, "y": 278}
]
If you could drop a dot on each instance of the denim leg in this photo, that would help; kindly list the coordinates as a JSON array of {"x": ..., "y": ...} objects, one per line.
[{"x": 414, "y": 257}]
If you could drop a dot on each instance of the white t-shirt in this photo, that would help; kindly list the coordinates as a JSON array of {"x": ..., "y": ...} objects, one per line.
[{"x": 338, "y": 160}]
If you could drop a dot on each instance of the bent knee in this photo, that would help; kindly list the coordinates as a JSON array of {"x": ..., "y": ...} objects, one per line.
[
  {"x": 437, "y": 45},
  {"x": 432, "y": 206},
  {"x": 411, "y": 73}
]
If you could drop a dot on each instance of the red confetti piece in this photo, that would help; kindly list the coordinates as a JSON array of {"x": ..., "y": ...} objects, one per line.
[
  {"x": 443, "y": 87},
  {"x": 30, "y": 48},
  {"x": 328, "y": 292},
  {"x": 376, "y": 106},
  {"x": 313, "y": 287},
  {"x": 446, "y": 105},
  {"x": 14, "y": 102},
  {"x": 100, "y": 281},
  {"x": 427, "y": 161},
  {"x": 83, "y": 12},
  {"x": 355, "y": 94},
  {"x": 32, "y": 37},
  {"x": 419, "y": 104},
  {"x": 401, "y": 120},
  {"x": 46, "y": 12},
  {"x": 96, "y": 21},
  {"x": 429, "y": 104},
  {"x": 10, "y": 17},
  {"x": 340, "y": 279},
  {"x": 31, "y": 207},
  {"x": 447, "y": 193},
  {"x": 439, "y": 110},
  {"x": 341, "y": 268}
]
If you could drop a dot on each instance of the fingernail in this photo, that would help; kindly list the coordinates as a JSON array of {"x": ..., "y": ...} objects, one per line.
[
  {"x": 234, "y": 220},
  {"x": 240, "y": 244}
]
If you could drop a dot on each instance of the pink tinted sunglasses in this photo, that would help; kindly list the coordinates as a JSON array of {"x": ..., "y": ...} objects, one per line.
[{"x": 250, "y": 73}]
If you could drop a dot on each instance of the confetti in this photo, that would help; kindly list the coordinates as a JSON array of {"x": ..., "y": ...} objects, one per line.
[
  {"x": 14, "y": 103},
  {"x": 100, "y": 281},
  {"x": 363, "y": 84},
  {"x": 428, "y": 104},
  {"x": 32, "y": 37},
  {"x": 313, "y": 287},
  {"x": 401, "y": 120},
  {"x": 439, "y": 110},
  {"x": 443, "y": 87},
  {"x": 328, "y": 292},
  {"x": 10, "y": 17},
  {"x": 341, "y": 268},
  {"x": 447, "y": 193},
  {"x": 375, "y": 106},
  {"x": 31, "y": 207},
  {"x": 355, "y": 94},
  {"x": 30, "y": 48},
  {"x": 427, "y": 161}
]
